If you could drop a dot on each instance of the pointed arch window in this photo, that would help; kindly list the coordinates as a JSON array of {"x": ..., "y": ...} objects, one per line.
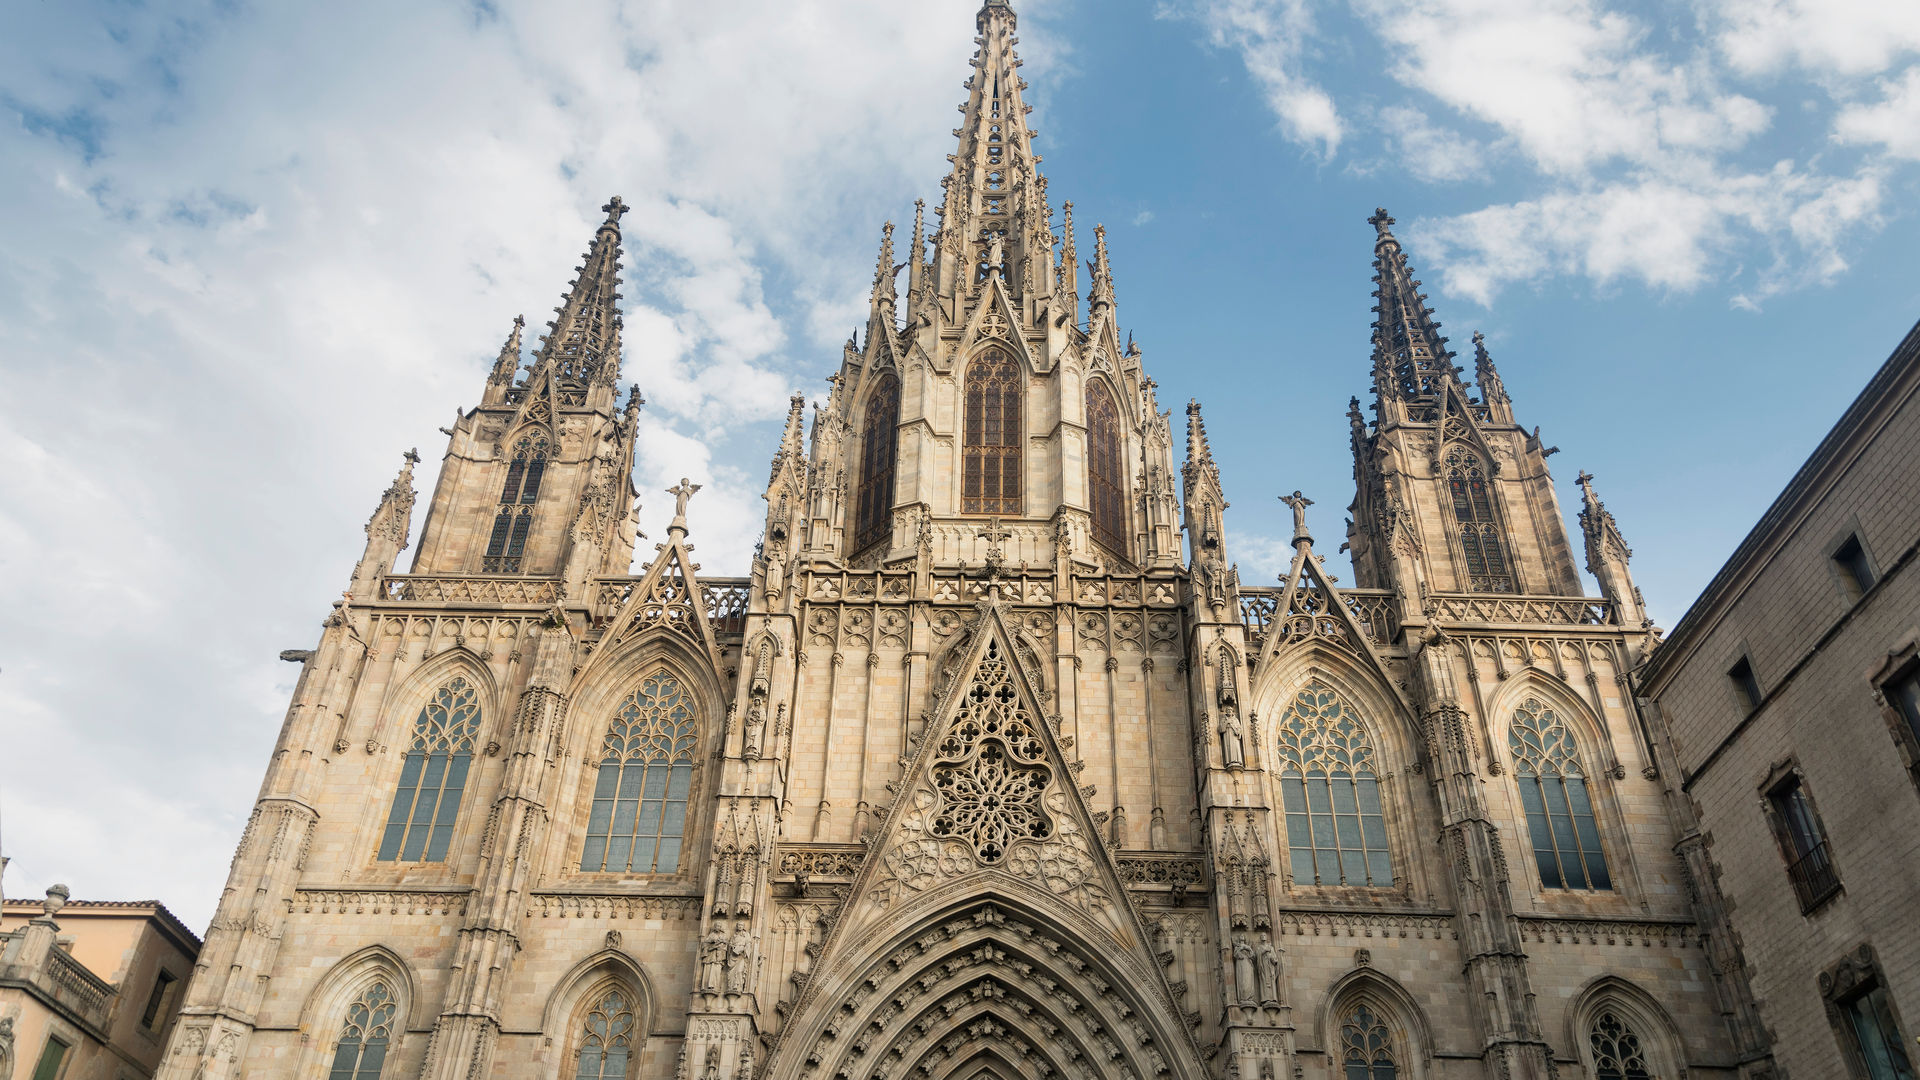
[
  {"x": 1617, "y": 1053},
  {"x": 433, "y": 776},
  {"x": 1106, "y": 470},
  {"x": 1485, "y": 552},
  {"x": 639, "y": 814},
  {"x": 1336, "y": 834},
  {"x": 1366, "y": 1046},
  {"x": 606, "y": 1041},
  {"x": 362, "y": 1050},
  {"x": 879, "y": 447},
  {"x": 991, "y": 473},
  {"x": 514, "y": 520},
  {"x": 1553, "y": 791}
]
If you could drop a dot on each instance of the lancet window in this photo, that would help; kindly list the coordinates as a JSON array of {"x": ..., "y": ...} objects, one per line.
[
  {"x": 879, "y": 446},
  {"x": 1481, "y": 544},
  {"x": 1106, "y": 470},
  {"x": 606, "y": 1041},
  {"x": 1366, "y": 1046},
  {"x": 993, "y": 462},
  {"x": 639, "y": 814},
  {"x": 1336, "y": 834},
  {"x": 511, "y": 523},
  {"x": 1553, "y": 791},
  {"x": 362, "y": 1050},
  {"x": 1617, "y": 1053},
  {"x": 433, "y": 776}
]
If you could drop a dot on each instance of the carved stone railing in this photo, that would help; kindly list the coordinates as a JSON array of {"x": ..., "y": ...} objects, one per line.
[
  {"x": 726, "y": 600},
  {"x": 485, "y": 591},
  {"x": 64, "y": 980},
  {"x": 380, "y": 901},
  {"x": 1496, "y": 609},
  {"x": 1169, "y": 871},
  {"x": 821, "y": 862},
  {"x": 1259, "y": 609}
]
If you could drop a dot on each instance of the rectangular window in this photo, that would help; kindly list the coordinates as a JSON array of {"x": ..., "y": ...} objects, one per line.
[
  {"x": 51, "y": 1058},
  {"x": 1856, "y": 574},
  {"x": 157, "y": 1002},
  {"x": 1870, "y": 1019},
  {"x": 1745, "y": 684},
  {"x": 1804, "y": 844}
]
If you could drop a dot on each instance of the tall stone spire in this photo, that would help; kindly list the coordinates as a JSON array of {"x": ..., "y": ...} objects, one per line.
[
  {"x": 1607, "y": 556},
  {"x": 993, "y": 191},
  {"x": 584, "y": 344},
  {"x": 1100, "y": 295},
  {"x": 883, "y": 273},
  {"x": 1410, "y": 356},
  {"x": 386, "y": 532}
]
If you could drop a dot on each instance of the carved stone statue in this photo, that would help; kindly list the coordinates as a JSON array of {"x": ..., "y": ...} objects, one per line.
[
  {"x": 739, "y": 962},
  {"x": 1299, "y": 504},
  {"x": 713, "y": 959},
  {"x": 1269, "y": 973},
  {"x": 1243, "y": 976},
  {"x": 681, "y": 492},
  {"x": 756, "y": 728},
  {"x": 1231, "y": 746}
]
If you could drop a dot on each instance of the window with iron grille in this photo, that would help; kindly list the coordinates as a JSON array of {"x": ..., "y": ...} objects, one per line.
[
  {"x": 879, "y": 447},
  {"x": 1476, "y": 525},
  {"x": 1803, "y": 842},
  {"x": 1106, "y": 470},
  {"x": 992, "y": 469}
]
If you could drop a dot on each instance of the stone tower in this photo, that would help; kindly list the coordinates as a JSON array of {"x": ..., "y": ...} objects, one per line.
[{"x": 976, "y": 772}]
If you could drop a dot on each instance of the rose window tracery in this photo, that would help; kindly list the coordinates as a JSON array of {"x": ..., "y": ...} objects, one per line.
[{"x": 989, "y": 769}]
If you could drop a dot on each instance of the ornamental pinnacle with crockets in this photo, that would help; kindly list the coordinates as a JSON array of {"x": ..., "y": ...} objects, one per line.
[{"x": 584, "y": 344}]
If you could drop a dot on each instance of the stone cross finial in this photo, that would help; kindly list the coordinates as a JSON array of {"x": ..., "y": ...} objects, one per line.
[
  {"x": 993, "y": 534},
  {"x": 681, "y": 492},
  {"x": 412, "y": 456},
  {"x": 614, "y": 208},
  {"x": 1585, "y": 480},
  {"x": 1299, "y": 503},
  {"x": 1381, "y": 221}
]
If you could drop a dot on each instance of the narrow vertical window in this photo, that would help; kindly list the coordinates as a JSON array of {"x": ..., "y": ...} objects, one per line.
[
  {"x": 1336, "y": 834},
  {"x": 1106, "y": 471},
  {"x": 639, "y": 813},
  {"x": 1366, "y": 1046},
  {"x": 1488, "y": 569},
  {"x": 991, "y": 470},
  {"x": 607, "y": 1042},
  {"x": 420, "y": 822},
  {"x": 155, "y": 1013},
  {"x": 1803, "y": 843},
  {"x": 1745, "y": 685},
  {"x": 1870, "y": 1018},
  {"x": 1617, "y": 1054},
  {"x": 1904, "y": 695},
  {"x": 1553, "y": 791},
  {"x": 507, "y": 544},
  {"x": 52, "y": 1056},
  {"x": 362, "y": 1049},
  {"x": 879, "y": 446}
]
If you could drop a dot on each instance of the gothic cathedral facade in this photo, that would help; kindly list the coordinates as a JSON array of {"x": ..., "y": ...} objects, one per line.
[{"x": 980, "y": 772}]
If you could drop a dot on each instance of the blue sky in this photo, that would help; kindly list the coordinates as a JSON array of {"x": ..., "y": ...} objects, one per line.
[{"x": 250, "y": 253}]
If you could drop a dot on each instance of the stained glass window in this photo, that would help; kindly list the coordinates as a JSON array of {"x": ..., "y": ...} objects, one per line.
[
  {"x": 639, "y": 814},
  {"x": 420, "y": 823},
  {"x": 1336, "y": 833},
  {"x": 1553, "y": 791},
  {"x": 1366, "y": 1046},
  {"x": 362, "y": 1048},
  {"x": 1106, "y": 470},
  {"x": 991, "y": 473},
  {"x": 879, "y": 445},
  {"x": 607, "y": 1042},
  {"x": 1480, "y": 542},
  {"x": 1617, "y": 1054}
]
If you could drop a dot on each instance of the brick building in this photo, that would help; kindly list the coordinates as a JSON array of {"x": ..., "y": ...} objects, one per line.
[{"x": 1789, "y": 700}]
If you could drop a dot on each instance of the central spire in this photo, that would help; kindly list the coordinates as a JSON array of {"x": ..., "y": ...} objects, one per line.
[
  {"x": 994, "y": 191},
  {"x": 584, "y": 346},
  {"x": 1409, "y": 355}
]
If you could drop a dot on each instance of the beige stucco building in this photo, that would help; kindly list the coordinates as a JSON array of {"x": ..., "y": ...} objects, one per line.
[
  {"x": 979, "y": 769},
  {"x": 89, "y": 990},
  {"x": 1789, "y": 697}
]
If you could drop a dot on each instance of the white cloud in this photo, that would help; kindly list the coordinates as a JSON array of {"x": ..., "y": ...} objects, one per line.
[
  {"x": 255, "y": 252},
  {"x": 1826, "y": 37},
  {"x": 1144, "y": 217},
  {"x": 1271, "y": 37},
  {"x": 1430, "y": 152},
  {"x": 1892, "y": 123}
]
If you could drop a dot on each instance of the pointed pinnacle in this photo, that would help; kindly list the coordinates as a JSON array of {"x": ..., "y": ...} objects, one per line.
[{"x": 884, "y": 271}]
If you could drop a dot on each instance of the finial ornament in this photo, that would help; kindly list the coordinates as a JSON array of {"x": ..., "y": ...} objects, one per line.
[
  {"x": 1299, "y": 503},
  {"x": 1382, "y": 222},
  {"x": 681, "y": 492},
  {"x": 614, "y": 208}
]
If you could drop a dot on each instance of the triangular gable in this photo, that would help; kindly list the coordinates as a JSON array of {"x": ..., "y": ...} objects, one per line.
[
  {"x": 667, "y": 597},
  {"x": 1312, "y": 609},
  {"x": 995, "y": 318},
  {"x": 989, "y": 800},
  {"x": 1455, "y": 423}
]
